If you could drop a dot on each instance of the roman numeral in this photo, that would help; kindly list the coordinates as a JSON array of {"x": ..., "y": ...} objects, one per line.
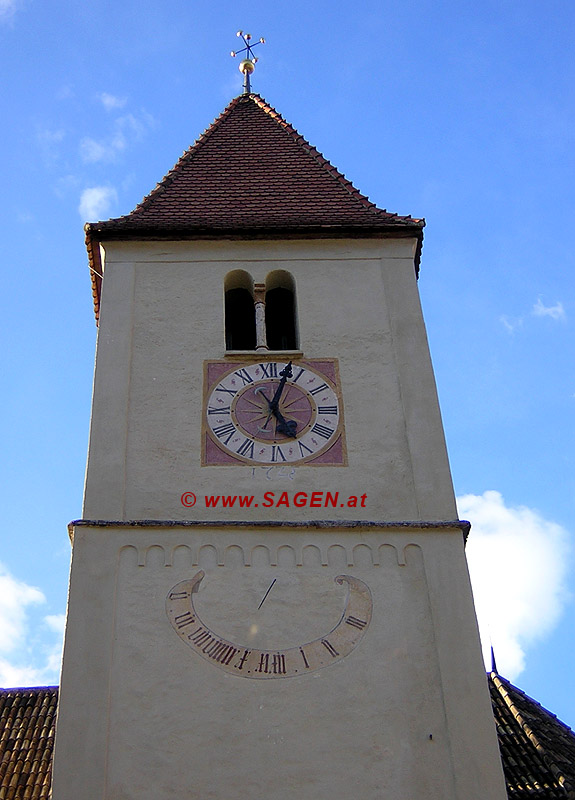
[
  {"x": 356, "y": 623},
  {"x": 223, "y": 389},
  {"x": 319, "y": 388},
  {"x": 277, "y": 454},
  {"x": 298, "y": 376},
  {"x": 221, "y": 652},
  {"x": 244, "y": 375},
  {"x": 322, "y": 430},
  {"x": 303, "y": 447},
  {"x": 242, "y": 660},
  {"x": 330, "y": 648},
  {"x": 200, "y": 637},
  {"x": 327, "y": 410},
  {"x": 305, "y": 661},
  {"x": 184, "y": 619},
  {"x": 246, "y": 449},
  {"x": 224, "y": 410},
  {"x": 179, "y": 595},
  {"x": 228, "y": 655},
  {"x": 279, "y": 664},
  {"x": 270, "y": 370},
  {"x": 223, "y": 431},
  {"x": 264, "y": 663}
]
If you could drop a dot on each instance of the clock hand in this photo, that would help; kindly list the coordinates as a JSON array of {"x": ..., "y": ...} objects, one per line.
[
  {"x": 266, "y": 594},
  {"x": 286, "y": 426},
  {"x": 285, "y": 374},
  {"x": 259, "y": 390}
]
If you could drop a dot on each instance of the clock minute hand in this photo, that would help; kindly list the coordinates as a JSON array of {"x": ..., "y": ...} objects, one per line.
[
  {"x": 285, "y": 374},
  {"x": 287, "y": 427}
]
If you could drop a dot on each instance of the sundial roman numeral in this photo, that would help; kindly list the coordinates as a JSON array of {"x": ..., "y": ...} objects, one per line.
[
  {"x": 329, "y": 647},
  {"x": 184, "y": 619},
  {"x": 356, "y": 623}
]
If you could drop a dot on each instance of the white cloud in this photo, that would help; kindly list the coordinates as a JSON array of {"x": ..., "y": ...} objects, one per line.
[
  {"x": 95, "y": 202},
  {"x": 26, "y": 659},
  {"x": 15, "y": 596},
  {"x": 555, "y": 312},
  {"x": 518, "y": 563},
  {"x": 91, "y": 150},
  {"x": 7, "y": 9},
  {"x": 48, "y": 142},
  {"x": 511, "y": 323},
  {"x": 110, "y": 101},
  {"x": 126, "y": 128},
  {"x": 56, "y": 622}
]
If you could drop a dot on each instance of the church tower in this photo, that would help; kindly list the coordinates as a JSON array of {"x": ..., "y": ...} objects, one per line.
[{"x": 269, "y": 596}]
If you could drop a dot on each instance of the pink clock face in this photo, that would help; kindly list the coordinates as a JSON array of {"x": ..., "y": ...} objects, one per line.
[
  {"x": 253, "y": 416},
  {"x": 256, "y": 419}
]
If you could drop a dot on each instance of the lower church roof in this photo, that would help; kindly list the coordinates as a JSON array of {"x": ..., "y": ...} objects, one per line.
[{"x": 537, "y": 749}]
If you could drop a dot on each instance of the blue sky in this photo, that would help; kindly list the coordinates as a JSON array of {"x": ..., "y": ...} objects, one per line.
[{"x": 458, "y": 112}]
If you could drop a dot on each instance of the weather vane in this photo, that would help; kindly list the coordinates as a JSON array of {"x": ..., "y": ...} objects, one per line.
[{"x": 248, "y": 63}]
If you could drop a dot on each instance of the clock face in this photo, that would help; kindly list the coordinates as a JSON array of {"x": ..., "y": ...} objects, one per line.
[{"x": 263, "y": 413}]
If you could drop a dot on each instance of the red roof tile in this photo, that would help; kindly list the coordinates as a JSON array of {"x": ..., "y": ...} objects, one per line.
[
  {"x": 537, "y": 749},
  {"x": 27, "y": 722}
]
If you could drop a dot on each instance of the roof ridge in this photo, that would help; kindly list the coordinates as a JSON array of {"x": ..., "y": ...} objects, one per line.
[
  {"x": 501, "y": 685},
  {"x": 318, "y": 156}
]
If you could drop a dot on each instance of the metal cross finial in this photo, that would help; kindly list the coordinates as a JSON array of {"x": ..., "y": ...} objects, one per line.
[{"x": 248, "y": 63}]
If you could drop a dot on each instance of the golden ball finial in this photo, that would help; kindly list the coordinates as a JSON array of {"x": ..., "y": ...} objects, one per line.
[{"x": 247, "y": 66}]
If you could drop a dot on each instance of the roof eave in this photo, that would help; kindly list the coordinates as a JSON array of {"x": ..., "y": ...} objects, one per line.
[{"x": 100, "y": 232}]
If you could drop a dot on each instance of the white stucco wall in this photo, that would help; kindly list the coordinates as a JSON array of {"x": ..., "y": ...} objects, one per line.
[
  {"x": 404, "y": 715},
  {"x": 162, "y": 316},
  {"x": 143, "y": 716}
]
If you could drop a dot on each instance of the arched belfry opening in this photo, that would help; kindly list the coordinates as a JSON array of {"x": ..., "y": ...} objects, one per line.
[
  {"x": 281, "y": 328},
  {"x": 240, "y": 314},
  {"x": 260, "y": 316}
]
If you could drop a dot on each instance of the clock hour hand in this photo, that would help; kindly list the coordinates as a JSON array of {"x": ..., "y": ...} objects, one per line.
[{"x": 285, "y": 426}]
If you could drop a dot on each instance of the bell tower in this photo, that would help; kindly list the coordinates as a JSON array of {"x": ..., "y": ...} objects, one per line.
[{"x": 269, "y": 595}]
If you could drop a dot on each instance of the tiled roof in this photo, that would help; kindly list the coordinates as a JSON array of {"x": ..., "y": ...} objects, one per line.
[
  {"x": 251, "y": 174},
  {"x": 27, "y": 722},
  {"x": 251, "y": 170},
  {"x": 537, "y": 750}
]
